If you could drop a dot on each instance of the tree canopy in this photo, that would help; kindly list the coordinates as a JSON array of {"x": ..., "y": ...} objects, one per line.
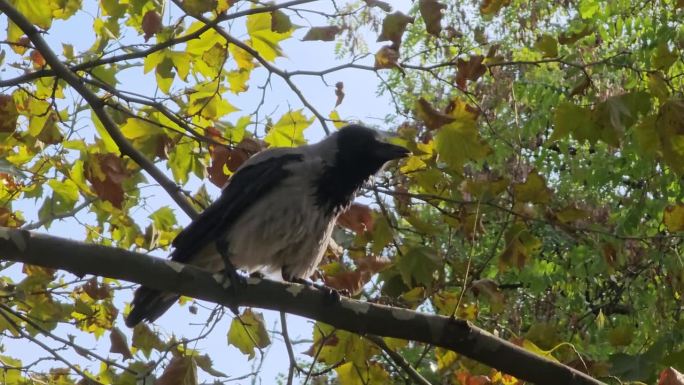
[{"x": 542, "y": 202}]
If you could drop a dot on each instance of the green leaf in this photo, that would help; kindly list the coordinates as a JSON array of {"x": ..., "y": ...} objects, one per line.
[
  {"x": 65, "y": 190},
  {"x": 458, "y": 142},
  {"x": 533, "y": 190},
  {"x": 146, "y": 340},
  {"x": 417, "y": 266},
  {"x": 248, "y": 332},
  {"x": 11, "y": 376},
  {"x": 164, "y": 218},
  {"x": 289, "y": 130},
  {"x": 548, "y": 45}
]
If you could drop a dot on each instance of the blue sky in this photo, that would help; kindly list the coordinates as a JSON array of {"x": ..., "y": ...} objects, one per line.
[{"x": 360, "y": 103}]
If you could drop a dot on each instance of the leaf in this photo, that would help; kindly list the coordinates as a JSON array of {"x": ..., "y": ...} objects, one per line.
[
  {"x": 339, "y": 93},
  {"x": 432, "y": 13},
  {"x": 289, "y": 130},
  {"x": 547, "y": 45},
  {"x": 204, "y": 363},
  {"x": 369, "y": 374},
  {"x": 248, "y": 332},
  {"x": 146, "y": 340},
  {"x": 669, "y": 126},
  {"x": 151, "y": 24},
  {"x": 386, "y": 57},
  {"x": 358, "y": 218},
  {"x": 533, "y": 190},
  {"x": 472, "y": 69},
  {"x": 118, "y": 344},
  {"x": 198, "y": 7},
  {"x": 393, "y": 27},
  {"x": 262, "y": 38},
  {"x": 432, "y": 117},
  {"x": 8, "y": 113},
  {"x": 37, "y": 12},
  {"x": 337, "y": 121},
  {"x": 459, "y": 140},
  {"x": 322, "y": 33},
  {"x": 181, "y": 370},
  {"x": 575, "y": 120},
  {"x": 418, "y": 265},
  {"x": 492, "y": 7},
  {"x": 520, "y": 245},
  {"x": 670, "y": 376},
  {"x": 280, "y": 22},
  {"x": 663, "y": 58},
  {"x": 673, "y": 217},
  {"x": 106, "y": 173},
  {"x": 380, "y": 4},
  {"x": 334, "y": 345}
]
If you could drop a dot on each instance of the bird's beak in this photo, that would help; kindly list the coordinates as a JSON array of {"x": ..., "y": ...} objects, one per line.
[{"x": 388, "y": 151}]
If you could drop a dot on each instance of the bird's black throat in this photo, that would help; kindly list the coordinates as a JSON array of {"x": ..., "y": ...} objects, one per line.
[{"x": 355, "y": 162}]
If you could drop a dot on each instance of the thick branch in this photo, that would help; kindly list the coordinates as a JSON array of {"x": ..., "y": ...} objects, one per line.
[
  {"x": 97, "y": 105},
  {"x": 355, "y": 316}
]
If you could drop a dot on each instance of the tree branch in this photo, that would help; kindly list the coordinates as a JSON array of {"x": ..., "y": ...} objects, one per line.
[
  {"x": 399, "y": 360},
  {"x": 97, "y": 105},
  {"x": 355, "y": 316}
]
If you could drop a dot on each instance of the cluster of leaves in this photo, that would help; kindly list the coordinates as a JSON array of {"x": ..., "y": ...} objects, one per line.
[{"x": 542, "y": 201}]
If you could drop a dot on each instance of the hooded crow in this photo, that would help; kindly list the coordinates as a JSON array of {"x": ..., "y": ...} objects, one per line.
[{"x": 276, "y": 213}]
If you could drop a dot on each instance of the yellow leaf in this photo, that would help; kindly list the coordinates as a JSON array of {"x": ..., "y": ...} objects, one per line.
[
  {"x": 37, "y": 12},
  {"x": 262, "y": 38},
  {"x": 533, "y": 190},
  {"x": 337, "y": 121},
  {"x": 673, "y": 217},
  {"x": 248, "y": 332},
  {"x": 369, "y": 374},
  {"x": 289, "y": 130}
]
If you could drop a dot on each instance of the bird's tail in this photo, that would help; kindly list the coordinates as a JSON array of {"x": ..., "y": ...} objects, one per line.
[{"x": 149, "y": 304}]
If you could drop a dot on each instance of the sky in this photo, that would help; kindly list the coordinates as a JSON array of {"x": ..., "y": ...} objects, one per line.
[{"x": 360, "y": 103}]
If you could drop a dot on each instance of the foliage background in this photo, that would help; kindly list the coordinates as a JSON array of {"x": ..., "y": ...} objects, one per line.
[{"x": 543, "y": 200}]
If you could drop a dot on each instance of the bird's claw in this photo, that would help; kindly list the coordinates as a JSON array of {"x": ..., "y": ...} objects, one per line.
[{"x": 330, "y": 294}]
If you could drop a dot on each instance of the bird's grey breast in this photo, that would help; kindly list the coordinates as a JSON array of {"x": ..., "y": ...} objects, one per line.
[{"x": 285, "y": 229}]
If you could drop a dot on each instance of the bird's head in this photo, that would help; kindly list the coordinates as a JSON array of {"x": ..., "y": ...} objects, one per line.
[{"x": 362, "y": 148}]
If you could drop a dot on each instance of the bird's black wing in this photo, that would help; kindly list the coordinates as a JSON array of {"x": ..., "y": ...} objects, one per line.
[{"x": 246, "y": 186}]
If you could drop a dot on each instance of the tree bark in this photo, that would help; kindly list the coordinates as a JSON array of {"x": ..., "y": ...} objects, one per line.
[{"x": 360, "y": 317}]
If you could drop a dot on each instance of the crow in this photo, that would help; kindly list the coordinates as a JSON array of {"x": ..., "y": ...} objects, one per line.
[{"x": 276, "y": 213}]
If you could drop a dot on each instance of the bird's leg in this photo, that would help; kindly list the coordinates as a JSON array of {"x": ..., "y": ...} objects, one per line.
[
  {"x": 331, "y": 295},
  {"x": 230, "y": 271}
]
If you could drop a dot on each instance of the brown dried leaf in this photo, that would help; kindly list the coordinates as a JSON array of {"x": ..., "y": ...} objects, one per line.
[
  {"x": 432, "y": 117},
  {"x": 380, "y": 4},
  {"x": 8, "y": 113},
  {"x": 358, "y": 218},
  {"x": 119, "y": 344},
  {"x": 393, "y": 27},
  {"x": 180, "y": 371},
  {"x": 431, "y": 11},
  {"x": 322, "y": 33},
  {"x": 106, "y": 172},
  {"x": 151, "y": 24},
  {"x": 471, "y": 70},
  {"x": 339, "y": 92}
]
